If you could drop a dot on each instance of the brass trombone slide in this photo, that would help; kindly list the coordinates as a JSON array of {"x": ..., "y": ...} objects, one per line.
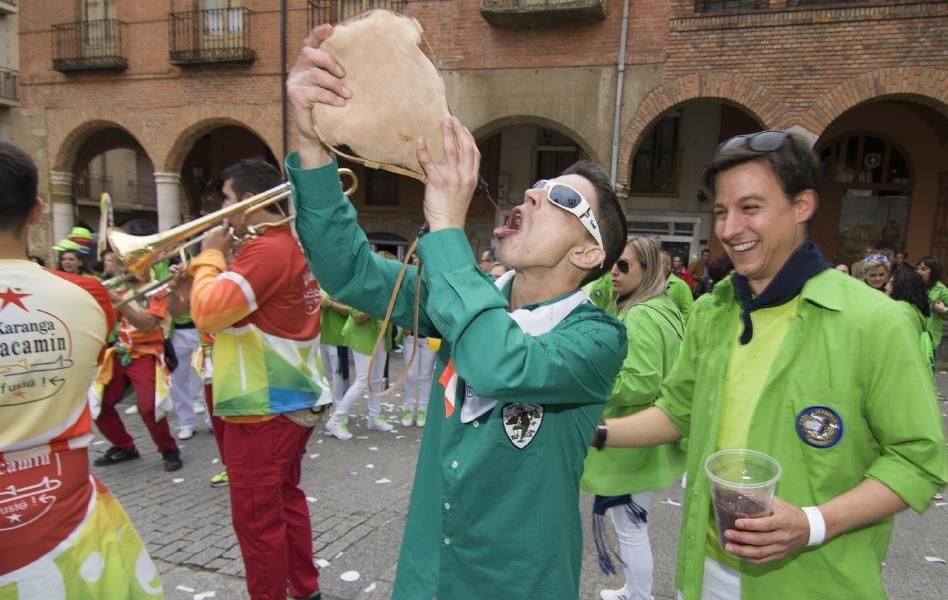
[{"x": 139, "y": 253}]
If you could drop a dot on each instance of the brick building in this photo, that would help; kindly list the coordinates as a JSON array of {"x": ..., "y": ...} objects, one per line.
[{"x": 155, "y": 98}]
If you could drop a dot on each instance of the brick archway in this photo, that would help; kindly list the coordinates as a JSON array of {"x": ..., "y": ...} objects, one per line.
[
  {"x": 488, "y": 129},
  {"x": 186, "y": 139},
  {"x": 67, "y": 149},
  {"x": 728, "y": 88},
  {"x": 920, "y": 84}
]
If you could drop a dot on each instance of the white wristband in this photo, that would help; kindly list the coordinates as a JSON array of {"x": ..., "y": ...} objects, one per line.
[{"x": 817, "y": 525}]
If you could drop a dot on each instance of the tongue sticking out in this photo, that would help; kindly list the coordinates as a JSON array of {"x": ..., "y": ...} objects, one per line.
[{"x": 512, "y": 226}]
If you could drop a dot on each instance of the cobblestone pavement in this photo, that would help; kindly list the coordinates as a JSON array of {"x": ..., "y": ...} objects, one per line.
[{"x": 358, "y": 492}]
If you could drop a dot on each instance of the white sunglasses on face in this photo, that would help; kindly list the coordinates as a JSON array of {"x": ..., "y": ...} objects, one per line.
[{"x": 570, "y": 200}]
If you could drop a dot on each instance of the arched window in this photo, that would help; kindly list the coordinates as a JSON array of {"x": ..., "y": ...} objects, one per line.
[{"x": 865, "y": 161}]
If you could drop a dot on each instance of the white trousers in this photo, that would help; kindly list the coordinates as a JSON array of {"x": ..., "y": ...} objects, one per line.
[
  {"x": 186, "y": 385},
  {"x": 634, "y": 548},
  {"x": 360, "y": 385},
  {"x": 418, "y": 378},
  {"x": 331, "y": 364},
  {"x": 721, "y": 582}
]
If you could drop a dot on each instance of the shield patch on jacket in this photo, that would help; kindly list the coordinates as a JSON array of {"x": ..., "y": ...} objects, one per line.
[{"x": 522, "y": 423}]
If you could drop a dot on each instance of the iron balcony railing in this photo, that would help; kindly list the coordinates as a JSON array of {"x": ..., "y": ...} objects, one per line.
[
  {"x": 90, "y": 187},
  {"x": 730, "y": 5},
  {"x": 517, "y": 12},
  {"x": 142, "y": 193},
  {"x": 8, "y": 89},
  {"x": 334, "y": 11},
  {"x": 84, "y": 45},
  {"x": 217, "y": 35}
]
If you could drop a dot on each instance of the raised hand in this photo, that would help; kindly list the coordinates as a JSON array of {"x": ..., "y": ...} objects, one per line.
[{"x": 452, "y": 181}]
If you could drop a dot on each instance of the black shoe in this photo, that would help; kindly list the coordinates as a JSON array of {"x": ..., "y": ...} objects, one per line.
[
  {"x": 317, "y": 595},
  {"x": 172, "y": 460},
  {"x": 115, "y": 455}
]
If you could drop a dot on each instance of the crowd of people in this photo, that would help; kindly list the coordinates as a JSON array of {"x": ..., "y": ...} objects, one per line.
[{"x": 571, "y": 357}]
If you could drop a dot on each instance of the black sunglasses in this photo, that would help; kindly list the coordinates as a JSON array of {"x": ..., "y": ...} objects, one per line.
[
  {"x": 623, "y": 265},
  {"x": 762, "y": 141}
]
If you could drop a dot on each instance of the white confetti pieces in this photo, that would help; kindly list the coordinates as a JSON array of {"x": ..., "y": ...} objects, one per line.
[
  {"x": 350, "y": 576},
  {"x": 311, "y": 500},
  {"x": 671, "y": 502},
  {"x": 362, "y": 437},
  {"x": 337, "y": 556},
  {"x": 204, "y": 595},
  {"x": 369, "y": 466},
  {"x": 319, "y": 441},
  {"x": 314, "y": 455},
  {"x": 177, "y": 480},
  {"x": 384, "y": 481},
  {"x": 399, "y": 437},
  {"x": 373, "y": 449},
  {"x": 322, "y": 563},
  {"x": 369, "y": 589},
  {"x": 214, "y": 461},
  {"x": 935, "y": 559},
  {"x": 185, "y": 589}
]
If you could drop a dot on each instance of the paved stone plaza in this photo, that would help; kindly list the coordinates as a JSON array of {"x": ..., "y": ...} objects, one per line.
[{"x": 359, "y": 493}]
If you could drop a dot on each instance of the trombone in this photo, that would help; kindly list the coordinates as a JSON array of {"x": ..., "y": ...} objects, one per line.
[{"x": 139, "y": 253}]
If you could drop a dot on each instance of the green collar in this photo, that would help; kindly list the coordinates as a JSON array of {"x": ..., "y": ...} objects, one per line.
[{"x": 823, "y": 290}]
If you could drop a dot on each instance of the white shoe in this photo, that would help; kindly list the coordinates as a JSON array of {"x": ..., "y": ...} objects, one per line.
[
  {"x": 422, "y": 417},
  {"x": 338, "y": 429},
  {"x": 198, "y": 408},
  {"x": 186, "y": 433},
  {"x": 379, "y": 424},
  {"x": 619, "y": 594},
  {"x": 132, "y": 410},
  {"x": 407, "y": 418}
]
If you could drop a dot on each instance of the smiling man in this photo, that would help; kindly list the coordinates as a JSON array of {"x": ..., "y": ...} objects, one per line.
[
  {"x": 788, "y": 357},
  {"x": 525, "y": 366}
]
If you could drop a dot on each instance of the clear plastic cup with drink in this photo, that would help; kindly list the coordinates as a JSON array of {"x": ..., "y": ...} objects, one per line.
[{"x": 742, "y": 485}]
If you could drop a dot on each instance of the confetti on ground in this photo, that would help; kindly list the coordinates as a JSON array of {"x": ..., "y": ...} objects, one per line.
[
  {"x": 373, "y": 449},
  {"x": 177, "y": 480},
  {"x": 369, "y": 589},
  {"x": 384, "y": 481},
  {"x": 311, "y": 499},
  {"x": 935, "y": 559},
  {"x": 353, "y": 473},
  {"x": 350, "y": 576},
  {"x": 319, "y": 441},
  {"x": 314, "y": 455},
  {"x": 204, "y": 595},
  {"x": 322, "y": 563},
  {"x": 215, "y": 461},
  {"x": 362, "y": 437},
  {"x": 185, "y": 589},
  {"x": 369, "y": 466},
  {"x": 941, "y": 503},
  {"x": 670, "y": 501},
  {"x": 398, "y": 437},
  {"x": 337, "y": 556}
]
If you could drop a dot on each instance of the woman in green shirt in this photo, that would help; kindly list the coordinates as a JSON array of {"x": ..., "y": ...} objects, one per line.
[
  {"x": 931, "y": 271},
  {"x": 623, "y": 479}
]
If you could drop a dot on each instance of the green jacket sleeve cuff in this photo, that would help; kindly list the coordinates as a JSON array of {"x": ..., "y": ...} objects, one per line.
[
  {"x": 445, "y": 250},
  {"x": 320, "y": 178},
  {"x": 905, "y": 480}
]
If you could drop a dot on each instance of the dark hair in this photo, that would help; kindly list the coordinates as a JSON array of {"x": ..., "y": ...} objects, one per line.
[
  {"x": 253, "y": 175},
  {"x": 38, "y": 260},
  {"x": 934, "y": 266},
  {"x": 794, "y": 164},
  {"x": 83, "y": 262},
  {"x": 18, "y": 187},
  {"x": 908, "y": 286},
  {"x": 720, "y": 267},
  {"x": 609, "y": 215}
]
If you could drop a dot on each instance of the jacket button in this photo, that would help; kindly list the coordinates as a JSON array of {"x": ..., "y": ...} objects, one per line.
[
  {"x": 477, "y": 424},
  {"x": 447, "y": 541},
  {"x": 447, "y": 506},
  {"x": 454, "y": 464}
]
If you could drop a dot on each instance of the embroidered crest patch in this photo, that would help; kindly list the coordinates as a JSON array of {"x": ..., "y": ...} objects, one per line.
[
  {"x": 522, "y": 423},
  {"x": 819, "y": 426}
]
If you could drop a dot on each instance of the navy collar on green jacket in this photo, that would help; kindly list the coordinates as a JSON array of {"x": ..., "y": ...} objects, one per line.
[{"x": 822, "y": 290}]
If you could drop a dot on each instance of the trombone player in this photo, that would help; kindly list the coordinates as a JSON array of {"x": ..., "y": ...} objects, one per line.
[{"x": 263, "y": 309}]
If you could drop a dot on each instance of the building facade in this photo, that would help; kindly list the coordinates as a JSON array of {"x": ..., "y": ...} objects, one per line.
[{"x": 149, "y": 101}]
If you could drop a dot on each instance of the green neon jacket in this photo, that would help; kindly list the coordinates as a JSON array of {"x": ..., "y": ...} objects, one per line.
[
  {"x": 679, "y": 291},
  {"x": 487, "y": 519},
  {"x": 839, "y": 354},
  {"x": 935, "y": 320},
  {"x": 655, "y": 330}
]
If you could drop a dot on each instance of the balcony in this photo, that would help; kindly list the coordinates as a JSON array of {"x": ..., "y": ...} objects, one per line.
[
  {"x": 88, "y": 45},
  {"x": 8, "y": 91},
  {"x": 334, "y": 11},
  {"x": 730, "y": 6},
  {"x": 211, "y": 37},
  {"x": 524, "y": 12},
  {"x": 8, "y": 7}
]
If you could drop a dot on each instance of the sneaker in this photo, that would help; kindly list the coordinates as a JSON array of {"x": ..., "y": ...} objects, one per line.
[
  {"x": 620, "y": 594},
  {"x": 115, "y": 455},
  {"x": 420, "y": 421},
  {"x": 172, "y": 459},
  {"x": 186, "y": 433},
  {"x": 407, "y": 418},
  {"x": 380, "y": 424},
  {"x": 939, "y": 496},
  {"x": 220, "y": 480},
  {"x": 340, "y": 430},
  {"x": 132, "y": 410}
]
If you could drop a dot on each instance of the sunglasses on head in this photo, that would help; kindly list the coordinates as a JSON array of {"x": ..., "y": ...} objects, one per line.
[
  {"x": 877, "y": 259},
  {"x": 762, "y": 141},
  {"x": 571, "y": 201}
]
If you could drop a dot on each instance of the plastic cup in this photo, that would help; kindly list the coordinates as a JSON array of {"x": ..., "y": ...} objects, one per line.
[{"x": 742, "y": 485}]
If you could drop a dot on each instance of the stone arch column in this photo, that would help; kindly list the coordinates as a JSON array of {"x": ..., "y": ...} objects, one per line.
[
  {"x": 168, "y": 187},
  {"x": 62, "y": 209}
]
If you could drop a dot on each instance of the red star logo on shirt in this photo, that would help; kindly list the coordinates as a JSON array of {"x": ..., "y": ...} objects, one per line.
[{"x": 11, "y": 297}]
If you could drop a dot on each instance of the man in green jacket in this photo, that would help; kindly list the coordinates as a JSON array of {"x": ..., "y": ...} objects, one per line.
[
  {"x": 788, "y": 357},
  {"x": 525, "y": 366},
  {"x": 678, "y": 290}
]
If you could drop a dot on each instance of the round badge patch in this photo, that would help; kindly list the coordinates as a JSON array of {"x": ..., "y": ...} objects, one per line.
[{"x": 819, "y": 426}]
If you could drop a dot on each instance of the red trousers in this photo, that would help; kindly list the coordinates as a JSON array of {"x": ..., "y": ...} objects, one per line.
[
  {"x": 268, "y": 508},
  {"x": 217, "y": 424},
  {"x": 141, "y": 374}
]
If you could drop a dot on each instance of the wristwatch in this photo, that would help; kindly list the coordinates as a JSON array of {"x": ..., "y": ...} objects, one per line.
[{"x": 599, "y": 438}]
